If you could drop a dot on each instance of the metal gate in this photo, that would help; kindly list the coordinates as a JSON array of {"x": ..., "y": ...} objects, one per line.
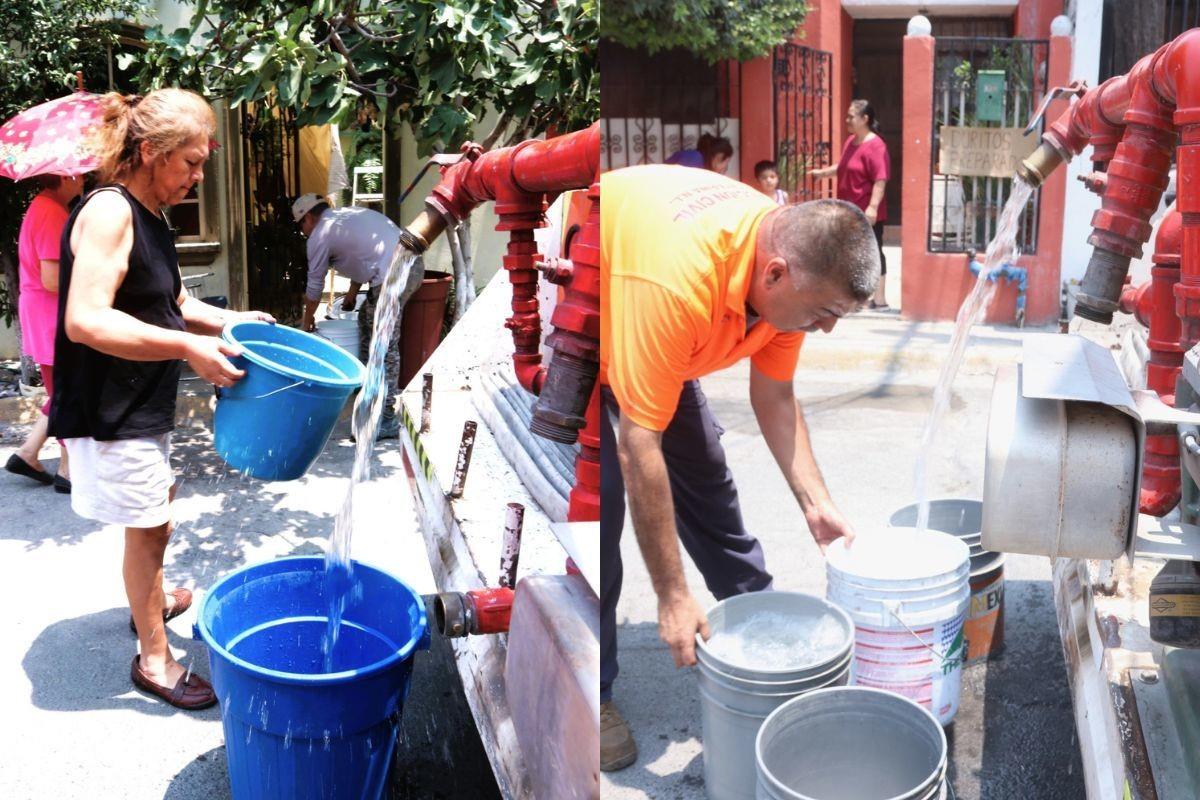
[
  {"x": 964, "y": 210},
  {"x": 803, "y": 97},
  {"x": 276, "y": 258},
  {"x": 656, "y": 105}
]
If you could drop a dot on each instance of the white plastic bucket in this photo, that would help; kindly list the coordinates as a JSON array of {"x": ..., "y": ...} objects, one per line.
[
  {"x": 850, "y": 743},
  {"x": 342, "y": 332},
  {"x": 908, "y": 593},
  {"x": 736, "y": 698}
]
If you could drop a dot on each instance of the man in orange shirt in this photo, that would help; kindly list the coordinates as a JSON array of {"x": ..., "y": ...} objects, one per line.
[{"x": 697, "y": 272}]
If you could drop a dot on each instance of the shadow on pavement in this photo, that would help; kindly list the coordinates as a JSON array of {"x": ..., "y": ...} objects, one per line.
[
  {"x": 82, "y": 664},
  {"x": 234, "y": 514},
  {"x": 1028, "y": 725},
  {"x": 205, "y": 778},
  {"x": 26, "y": 506},
  {"x": 661, "y": 705}
]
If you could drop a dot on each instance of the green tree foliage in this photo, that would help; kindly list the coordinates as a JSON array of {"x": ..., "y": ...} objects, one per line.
[
  {"x": 42, "y": 44},
  {"x": 713, "y": 29},
  {"x": 435, "y": 65}
]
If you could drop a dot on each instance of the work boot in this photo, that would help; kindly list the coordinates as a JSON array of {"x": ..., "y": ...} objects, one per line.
[{"x": 617, "y": 748}]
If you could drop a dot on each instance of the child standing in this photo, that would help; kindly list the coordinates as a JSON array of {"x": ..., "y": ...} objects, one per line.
[{"x": 767, "y": 175}]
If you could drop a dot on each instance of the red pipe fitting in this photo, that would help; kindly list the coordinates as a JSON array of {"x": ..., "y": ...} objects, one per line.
[
  {"x": 1137, "y": 173},
  {"x": 1096, "y": 120},
  {"x": 517, "y": 174},
  {"x": 1155, "y": 308},
  {"x": 561, "y": 408},
  {"x": 584, "y": 502},
  {"x": 492, "y": 609},
  {"x": 526, "y": 320},
  {"x": 479, "y": 611},
  {"x": 1177, "y": 77}
]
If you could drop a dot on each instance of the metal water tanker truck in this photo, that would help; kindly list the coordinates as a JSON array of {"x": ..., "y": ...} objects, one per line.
[
  {"x": 503, "y": 449},
  {"x": 1108, "y": 475}
]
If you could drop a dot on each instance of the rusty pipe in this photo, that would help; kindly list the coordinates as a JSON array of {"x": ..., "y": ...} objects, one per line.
[{"x": 487, "y": 610}]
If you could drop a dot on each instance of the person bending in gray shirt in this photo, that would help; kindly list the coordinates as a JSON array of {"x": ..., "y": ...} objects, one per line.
[{"x": 359, "y": 244}]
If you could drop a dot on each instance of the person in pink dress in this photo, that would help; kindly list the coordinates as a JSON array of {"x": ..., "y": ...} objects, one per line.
[
  {"x": 41, "y": 231},
  {"x": 862, "y": 175}
]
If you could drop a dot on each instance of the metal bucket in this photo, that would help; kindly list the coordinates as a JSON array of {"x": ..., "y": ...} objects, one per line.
[
  {"x": 958, "y": 516},
  {"x": 963, "y": 517},
  {"x": 734, "y": 699},
  {"x": 850, "y": 743}
]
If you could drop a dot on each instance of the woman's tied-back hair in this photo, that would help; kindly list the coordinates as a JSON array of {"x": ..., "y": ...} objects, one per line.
[
  {"x": 166, "y": 118},
  {"x": 711, "y": 146},
  {"x": 864, "y": 109}
]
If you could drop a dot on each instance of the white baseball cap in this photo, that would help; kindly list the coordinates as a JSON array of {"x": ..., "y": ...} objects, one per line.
[{"x": 304, "y": 204}]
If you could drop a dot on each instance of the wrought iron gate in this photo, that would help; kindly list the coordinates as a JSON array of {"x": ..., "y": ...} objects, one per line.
[
  {"x": 964, "y": 210},
  {"x": 657, "y": 105},
  {"x": 803, "y": 96},
  {"x": 276, "y": 259}
]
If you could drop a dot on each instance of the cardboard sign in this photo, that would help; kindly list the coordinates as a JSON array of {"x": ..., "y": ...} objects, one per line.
[{"x": 983, "y": 152}]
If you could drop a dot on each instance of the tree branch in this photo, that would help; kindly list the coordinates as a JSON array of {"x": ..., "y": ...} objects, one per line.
[{"x": 501, "y": 124}]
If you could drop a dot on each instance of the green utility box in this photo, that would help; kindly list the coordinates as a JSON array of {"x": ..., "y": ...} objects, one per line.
[{"x": 989, "y": 95}]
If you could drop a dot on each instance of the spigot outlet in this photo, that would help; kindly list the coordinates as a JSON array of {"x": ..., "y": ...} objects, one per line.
[
  {"x": 1037, "y": 166},
  {"x": 477, "y": 612}
]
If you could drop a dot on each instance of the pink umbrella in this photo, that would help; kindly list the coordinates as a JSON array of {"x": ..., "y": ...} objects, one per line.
[{"x": 50, "y": 139}]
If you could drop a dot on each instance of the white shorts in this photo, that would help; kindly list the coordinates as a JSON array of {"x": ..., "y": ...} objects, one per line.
[{"x": 126, "y": 482}]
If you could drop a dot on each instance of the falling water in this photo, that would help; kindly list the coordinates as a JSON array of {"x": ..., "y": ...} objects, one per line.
[
  {"x": 1001, "y": 250},
  {"x": 339, "y": 576}
]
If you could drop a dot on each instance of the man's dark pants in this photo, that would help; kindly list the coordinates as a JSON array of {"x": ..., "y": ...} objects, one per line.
[{"x": 707, "y": 514}]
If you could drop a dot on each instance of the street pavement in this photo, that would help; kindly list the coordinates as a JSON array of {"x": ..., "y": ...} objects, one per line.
[
  {"x": 72, "y": 725},
  {"x": 866, "y": 389}
]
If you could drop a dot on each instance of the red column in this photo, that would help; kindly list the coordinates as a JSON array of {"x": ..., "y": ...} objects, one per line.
[
  {"x": 757, "y": 128},
  {"x": 1045, "y": 270},
  {"x": 918, "y": 292}
]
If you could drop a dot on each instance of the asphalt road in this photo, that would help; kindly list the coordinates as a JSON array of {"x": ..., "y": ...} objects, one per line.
[{"x": 867, "y": 389}]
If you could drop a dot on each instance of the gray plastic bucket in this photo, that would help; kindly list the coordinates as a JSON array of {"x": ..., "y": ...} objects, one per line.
[
  {"x": 850, "y": 743},
  {"x": 734, "y": 699}
]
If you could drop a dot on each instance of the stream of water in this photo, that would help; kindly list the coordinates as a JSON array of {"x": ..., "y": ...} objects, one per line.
[
  {"x": 1001, "y": 250},
  {"x": 340, "y": 585}
]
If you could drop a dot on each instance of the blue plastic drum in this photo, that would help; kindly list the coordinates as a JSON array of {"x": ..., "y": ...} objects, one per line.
[{"x": 291, "y": 729}]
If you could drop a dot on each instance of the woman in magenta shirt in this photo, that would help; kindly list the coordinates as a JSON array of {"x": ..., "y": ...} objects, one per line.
[
  {"x": 37, "y": 249},
  {"x": 862, "y": 175}
]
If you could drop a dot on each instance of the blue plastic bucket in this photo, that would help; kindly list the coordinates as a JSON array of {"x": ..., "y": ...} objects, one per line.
[
  {"x": 275, "y": 421},
  {"x": 291, "y": 729}
]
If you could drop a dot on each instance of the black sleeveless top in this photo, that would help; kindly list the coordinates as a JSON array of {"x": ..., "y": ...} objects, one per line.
[{"x": 101, "y": 396}]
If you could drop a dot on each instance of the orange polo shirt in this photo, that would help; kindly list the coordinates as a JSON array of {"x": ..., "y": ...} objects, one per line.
[{"x": 676, "y": 256}]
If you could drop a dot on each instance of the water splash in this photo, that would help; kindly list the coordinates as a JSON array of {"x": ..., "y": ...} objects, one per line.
[
  {"x": 1001, "y": 250},
  {"x": 368, "y": 409}
]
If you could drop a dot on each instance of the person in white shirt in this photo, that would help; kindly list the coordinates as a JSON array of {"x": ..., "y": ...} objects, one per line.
[{"x": 359, "y": 243}]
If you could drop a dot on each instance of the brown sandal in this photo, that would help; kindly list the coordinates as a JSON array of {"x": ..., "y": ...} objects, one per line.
[
  {"x": 191, "y": 692},
  {"x": 183, "y": 601}
]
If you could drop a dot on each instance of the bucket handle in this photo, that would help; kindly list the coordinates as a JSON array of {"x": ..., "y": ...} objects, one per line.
[
  {"x": 893, "y": 608},
  {"x": 220, "y": 396}
]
